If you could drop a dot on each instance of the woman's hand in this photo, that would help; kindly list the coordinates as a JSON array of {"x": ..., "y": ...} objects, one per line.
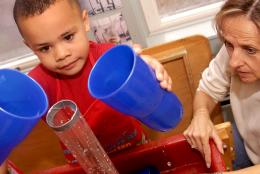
[
  {"x": 199, "y": 132},
  {"x": 160, "y": 72}
]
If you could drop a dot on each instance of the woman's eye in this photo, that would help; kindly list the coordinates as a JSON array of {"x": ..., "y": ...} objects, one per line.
[
  {"x": 69, "y": 37},
  {"x": 228, "y": 44},
  {"x": 44, "y": 49},
  {"x": 251, "y": 50}
]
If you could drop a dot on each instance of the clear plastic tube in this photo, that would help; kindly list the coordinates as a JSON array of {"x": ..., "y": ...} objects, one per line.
[{"x": 72, "y": 129}]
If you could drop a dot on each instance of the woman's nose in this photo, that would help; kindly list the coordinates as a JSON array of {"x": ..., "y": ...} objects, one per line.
[{"x": 236, "y": 59}]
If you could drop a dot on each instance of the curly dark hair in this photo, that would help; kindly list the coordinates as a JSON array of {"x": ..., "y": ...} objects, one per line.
[{"x": 27, "y": 8}]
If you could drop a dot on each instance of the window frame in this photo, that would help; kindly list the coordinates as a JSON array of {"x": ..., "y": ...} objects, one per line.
[{"x": 157, "y": 25}]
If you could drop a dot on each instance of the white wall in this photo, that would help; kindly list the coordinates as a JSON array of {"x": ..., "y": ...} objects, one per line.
[
  {"x": 14, "y": 54},
  {"x": 133, "y": 14}
]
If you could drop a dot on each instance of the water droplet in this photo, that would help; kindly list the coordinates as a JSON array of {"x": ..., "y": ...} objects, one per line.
[{"x": 169, "y": 164}]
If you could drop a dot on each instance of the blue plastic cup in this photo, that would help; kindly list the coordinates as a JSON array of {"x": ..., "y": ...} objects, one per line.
[
  {"x": 124, "y": 81},
  {"x": 22, "y": 103}
]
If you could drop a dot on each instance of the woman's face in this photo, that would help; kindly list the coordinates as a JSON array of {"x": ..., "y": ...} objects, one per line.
[{"x": 242, "y": 40}]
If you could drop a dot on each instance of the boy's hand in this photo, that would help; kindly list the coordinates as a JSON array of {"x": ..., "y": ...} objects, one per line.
[{"x": 160, "y": 72}]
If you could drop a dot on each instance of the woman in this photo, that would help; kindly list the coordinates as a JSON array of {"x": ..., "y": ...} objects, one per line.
[{"x": 235, "y": 72}]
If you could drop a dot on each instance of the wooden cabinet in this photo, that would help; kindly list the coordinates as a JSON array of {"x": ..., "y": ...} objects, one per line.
[
  {"x": 184, "y": 60},
  {"x": 40, "y": 150}
]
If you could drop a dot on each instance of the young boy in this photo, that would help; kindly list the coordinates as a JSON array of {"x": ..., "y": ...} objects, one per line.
[{"x": 55, "y": 30}]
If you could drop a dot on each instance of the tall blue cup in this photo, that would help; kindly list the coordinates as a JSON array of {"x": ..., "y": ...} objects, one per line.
[
  {"x": 22, "y": 103},
  {"x": 124, "y": 81}
]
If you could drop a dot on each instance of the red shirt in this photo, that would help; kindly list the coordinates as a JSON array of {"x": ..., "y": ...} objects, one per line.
[{"x": 114, "y": 130}]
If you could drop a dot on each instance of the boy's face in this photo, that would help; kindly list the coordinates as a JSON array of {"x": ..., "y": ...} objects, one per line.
[{"x": 58, "y": 37}]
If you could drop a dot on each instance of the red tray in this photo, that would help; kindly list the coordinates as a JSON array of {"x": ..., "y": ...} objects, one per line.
[
  {"x": 12, "y": 168},
  {"x": 172, "y": 155}
]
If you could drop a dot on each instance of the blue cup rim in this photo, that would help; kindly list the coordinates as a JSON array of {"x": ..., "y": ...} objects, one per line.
[
  {"x": 38, "y": 86},
  {"x": 123, "y": 84}
]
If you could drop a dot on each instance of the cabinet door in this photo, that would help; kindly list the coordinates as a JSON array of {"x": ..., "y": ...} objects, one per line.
[
  {"x": 184, "y": 60},
  {"x": 40, "y": 150}
]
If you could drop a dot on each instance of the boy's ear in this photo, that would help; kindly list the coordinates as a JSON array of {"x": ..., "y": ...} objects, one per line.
[{"x": 85, "y": 20}]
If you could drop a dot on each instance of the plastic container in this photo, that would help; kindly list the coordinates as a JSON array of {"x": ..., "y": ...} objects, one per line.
[
  {"x": 148, "y": 170},
  {"x": 172, "y": 155},
  {"x": 12, "y": 168},
  {"x": 22, "y": 103},
  {"x": 121, "y": 79},
  {"x": 72, "y": 129}
]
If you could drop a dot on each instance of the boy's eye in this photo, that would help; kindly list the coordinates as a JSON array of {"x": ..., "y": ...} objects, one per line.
[
  {"x": 44, "y": 49},
  {"x": 69, "y": 37}
]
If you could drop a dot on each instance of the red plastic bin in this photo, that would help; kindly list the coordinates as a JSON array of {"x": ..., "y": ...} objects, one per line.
[
  {"x": 172, "y": 155},
  {"x": 12, "y": 168}
]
